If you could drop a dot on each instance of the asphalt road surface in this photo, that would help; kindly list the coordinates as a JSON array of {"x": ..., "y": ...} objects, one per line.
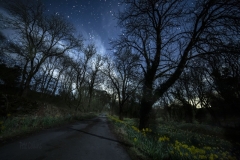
[{"x": 84, "y": 140}]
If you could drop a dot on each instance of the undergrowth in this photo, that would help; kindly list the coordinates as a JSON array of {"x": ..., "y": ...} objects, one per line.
[
  {"x": 45, "y": 117},
  {"x": 168, "y": 141}
]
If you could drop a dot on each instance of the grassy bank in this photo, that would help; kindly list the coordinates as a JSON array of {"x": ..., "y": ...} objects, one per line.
[
  {"x": 176, "y": 141},
  {"x": 45, "y": 117}
]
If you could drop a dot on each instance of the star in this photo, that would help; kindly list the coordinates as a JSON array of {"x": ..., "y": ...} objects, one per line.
[{"x": 88, "y": 17}]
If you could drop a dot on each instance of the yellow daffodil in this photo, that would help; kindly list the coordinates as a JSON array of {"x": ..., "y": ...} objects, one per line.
[{"x": 202, "y": 157}]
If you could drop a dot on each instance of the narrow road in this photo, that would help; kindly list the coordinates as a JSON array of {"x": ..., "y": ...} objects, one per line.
[{"x": 85, "y": 140}]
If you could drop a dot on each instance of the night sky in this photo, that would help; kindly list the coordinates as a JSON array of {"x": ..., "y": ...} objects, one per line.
[{"x": 94, "y": 19}]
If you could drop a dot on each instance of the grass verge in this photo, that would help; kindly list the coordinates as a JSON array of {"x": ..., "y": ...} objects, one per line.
[
  {"x": 121, "y": 135},
  {"x": 170, "y": 142},
  {"x": 12, "y": 127}
]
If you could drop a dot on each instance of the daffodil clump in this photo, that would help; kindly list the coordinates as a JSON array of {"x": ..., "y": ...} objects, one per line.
[
  {"x": 163, "y": 139},
  {"x": 135, "y": 129},
  {"x": 141, "y": 139},
  {"x": 135, "y": 139},
  {"x": 115, "y": 119},
  {"x": 168, "y": 142},
  {"x": 179, "y": 149}
]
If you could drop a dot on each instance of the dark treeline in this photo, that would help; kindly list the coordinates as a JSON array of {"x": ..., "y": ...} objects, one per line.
[
  {"x": 44, "y": 59},
  {"x": 176, "y": 59}
]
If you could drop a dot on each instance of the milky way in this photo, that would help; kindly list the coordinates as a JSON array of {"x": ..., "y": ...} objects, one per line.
[{"x": 94, "y": 19}]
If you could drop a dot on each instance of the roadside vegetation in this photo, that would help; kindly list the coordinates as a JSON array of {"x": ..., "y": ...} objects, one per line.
[
  {"x": 177, "y": 140},
  {"x": 36, "y": 118}
]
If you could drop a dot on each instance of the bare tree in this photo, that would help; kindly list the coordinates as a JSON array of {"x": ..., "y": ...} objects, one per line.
[
  {"x": 122, "y": 75},
  {"x": 48, "y": 76},
  {"x": 60, "y": 67},
  {"x": 81, "y": 67},
  {"x": 67, "y": 80},
  {"x": 168, "y": 34},
  {"x": 37, "y": 36},
  {"x": 94, "y": 77}
]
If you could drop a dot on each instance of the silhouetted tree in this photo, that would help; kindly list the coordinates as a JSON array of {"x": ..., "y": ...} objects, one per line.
[
  {"x": 122, "y": 75},
  {"x": 37, "y": 36},
  {"x": 168, "y": 34},
  {"x": 80, "y": 67},
  {"x": 94, "y": 78}
]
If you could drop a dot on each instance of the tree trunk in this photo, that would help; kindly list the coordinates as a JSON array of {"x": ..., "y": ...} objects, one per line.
[
  {"x": 56, "y": 84},
  {"x": 89, "y": 101},
  {"x": 146, "y": 107},
  {"x": 54, "y": 88},
  {"x": 26, "y": 86},
  {"x": 147, "y": 99},
  {"x": 90, "y": 95}
]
